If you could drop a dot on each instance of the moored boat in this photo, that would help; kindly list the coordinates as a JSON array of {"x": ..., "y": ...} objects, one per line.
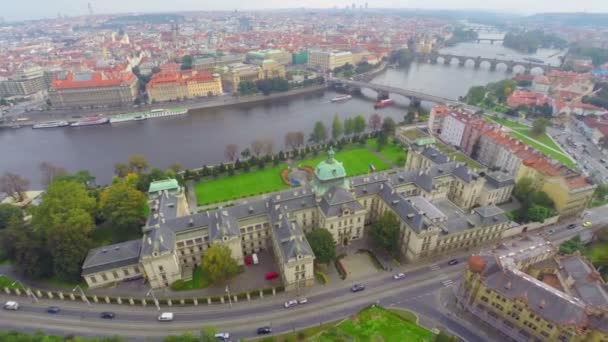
[
  {"x": 51, "y": 124},
  {"x": 90, "y": 121},
  {"x": 128, "y": 117},
  {"x": 384, "y": 103},
  {"x": 341, "y": 98}
]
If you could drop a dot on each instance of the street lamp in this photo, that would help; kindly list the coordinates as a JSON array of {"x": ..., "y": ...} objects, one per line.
[
  {"x": 151, "y": 292},
  {"x": 28, "y": 292},
  {"x": 82, "y": 294},
  {"x": 229, "y": 297}
]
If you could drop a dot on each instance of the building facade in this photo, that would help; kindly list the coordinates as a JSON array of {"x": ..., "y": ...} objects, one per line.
[
  {"x": 453, "y": 128},
  {"x": 26, "y": 81},
  {"x": 280, "y": 56},
  {"x": 328, "y": 60},
  {"x": 233, "y": 74},
  {"x": 176, "y": 85}
]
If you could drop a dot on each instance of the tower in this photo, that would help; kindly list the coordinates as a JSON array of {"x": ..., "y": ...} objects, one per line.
[
  {"x": 174, "y": 32},
  {"x": 90, "y": 7}
]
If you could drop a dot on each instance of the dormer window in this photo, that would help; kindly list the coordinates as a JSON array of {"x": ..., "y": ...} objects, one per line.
[
  {"x": 225, "y": 238},
  {"x": 299, "y": 256}
]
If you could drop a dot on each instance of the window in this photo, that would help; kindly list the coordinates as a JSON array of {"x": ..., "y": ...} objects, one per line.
[
  {"x": 160, "y": 268},
  {"x": 104, "y": 277},
  {"x": 137, "y": 269},
  {"x": 126, "y": 272},
  {"x": 115, "y": 274},
  {"x": 93, "y": 279}
]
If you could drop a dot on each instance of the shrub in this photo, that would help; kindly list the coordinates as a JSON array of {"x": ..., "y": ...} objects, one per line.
[
  {"x": 321, "y": 277},
  {"x": 341, "y": 269}
]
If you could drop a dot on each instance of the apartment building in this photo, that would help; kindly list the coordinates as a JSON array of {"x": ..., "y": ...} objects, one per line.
[
  {"x": 453, "y": 128},
  {"x": 280, "y": 56},
  {"x": 26, "y": 81},
  {"x": 529, "y": 293},
  {"x": 177, "y": 85},
  {"x": 328, "y": 60},
  {"x": 498, "y": 150},
  {"x": 76, "y": 90}
]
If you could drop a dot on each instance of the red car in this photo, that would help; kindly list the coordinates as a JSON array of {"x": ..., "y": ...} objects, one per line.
[
  {"x": 248, "y": 260},
  {"x": 271, "y": 275}
]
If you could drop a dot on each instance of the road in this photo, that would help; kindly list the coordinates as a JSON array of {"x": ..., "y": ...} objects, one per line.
[{"x": 326, "y": 304}]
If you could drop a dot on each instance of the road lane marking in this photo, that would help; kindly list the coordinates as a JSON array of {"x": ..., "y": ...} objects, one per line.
[{"x": 435, "y": 267}]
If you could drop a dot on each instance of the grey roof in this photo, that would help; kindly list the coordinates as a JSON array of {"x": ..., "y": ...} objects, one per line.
[
  {"x": 435, "y": 155},
  {"x": 159, "y": 239},
  {"x": 336, "y": 200},
  {"x": 404, "y": 209},
  {"x": 488, "y": 216},
  {"x": 288, "y": 234},
  {"x": 112, "y": 256},
  {"x": 499, "y": 179},
  {"x": 162, "y": 208},
  {"x": 586, "y": 287}
]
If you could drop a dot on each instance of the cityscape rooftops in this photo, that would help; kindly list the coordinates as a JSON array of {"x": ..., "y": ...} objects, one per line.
[{"x": 93, "y": 80}]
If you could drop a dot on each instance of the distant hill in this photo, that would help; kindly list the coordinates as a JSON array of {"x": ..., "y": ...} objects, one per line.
[
  {"x": 161, "y": 18},
  {"x": 570, "y": 19}
]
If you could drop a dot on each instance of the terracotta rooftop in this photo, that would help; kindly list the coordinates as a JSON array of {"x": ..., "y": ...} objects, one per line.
[{"x": 93, "y": 80}]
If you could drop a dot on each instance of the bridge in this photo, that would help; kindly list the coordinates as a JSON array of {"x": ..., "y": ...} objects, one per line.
[
  {"x": 435, "y": 57},
  {"x": 491, "y": 40}
]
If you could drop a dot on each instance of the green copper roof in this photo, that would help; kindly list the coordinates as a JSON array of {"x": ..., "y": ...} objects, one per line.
[
  {"x": 425, "y": 141},
  {"x": 330, "y": 169},
  {"x": 165, "y": 184}
]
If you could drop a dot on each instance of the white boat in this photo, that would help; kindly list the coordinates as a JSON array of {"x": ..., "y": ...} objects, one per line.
[
  {"x": 51, "y": 124},
  {"x": 157, "y": 113},
  {"x": 341, "y": 98},
  {"x": 128, "y": 117},
  {"x": 90, "y": 121}
]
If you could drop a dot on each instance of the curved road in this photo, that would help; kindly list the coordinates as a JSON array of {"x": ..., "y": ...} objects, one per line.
[{"x": 242, "y": 319}]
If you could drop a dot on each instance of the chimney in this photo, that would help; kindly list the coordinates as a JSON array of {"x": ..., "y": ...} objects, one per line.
[
  {"x": 191, "y": 222},
  {"x": 508, "y": 285},
  {"x": 542, "y": 304}
]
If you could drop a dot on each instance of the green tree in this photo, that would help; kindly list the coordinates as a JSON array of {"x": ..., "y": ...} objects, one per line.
[
  {"x": 571, "y": 246},
  {"x": 27, "y": 249},
  {"x": 385, "y": 232},
  {"x": 208, "y": 334},
  {"x": 219, "y": 264},
  {"x": 359, "y": 124},
  {"x": 83, "y": 177},
  {"x": 323, "y": 245},
  {"x": 349, "y": 126},
  {"x": 7, "y": 212},
  {"x": 476, "y": 95},
  {"x": 319, "y": 133},
  {"x": 523, "y": 188},
  {"x": 123, "y": 206},
  {"x": 176, "y": 167},
  {"x": 538, "y": 213},
  {"x": 69, "y": 244},
  {"x": 539, "y": 127},
  {"x": 144, "y": 180},
  {"x": 138, "y": 163},
  {"x": 389, "y": 126},
  {"x": 336, "y": 128},
  {"x": 121, "y": 169}
]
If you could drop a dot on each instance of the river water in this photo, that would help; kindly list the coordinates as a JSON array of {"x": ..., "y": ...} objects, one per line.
[{"x": 200, "y": 137}]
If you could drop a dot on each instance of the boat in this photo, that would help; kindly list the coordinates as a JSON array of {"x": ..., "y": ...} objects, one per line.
[
  {"x": 90, "y": 121},
  {"x": 157, "y": 113},
  {"x": 51, "y": 124},
  {"x": 341, "y": 98},
  {"x": 534, "y": 60},
  {"x": 383, "y": 103},
  {"x": 128, "y": 117}
]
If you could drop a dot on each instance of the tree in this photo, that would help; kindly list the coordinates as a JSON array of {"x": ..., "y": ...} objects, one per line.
[
  {"x": 246, "y": 153},
  {"x": 539, "y": 127},
  {"x": 123, "y": 206},
  {"x": 323, "y": 245},
  {"x": 8, "y": 212},
  {"x": 26, "y": 248},
  {"x": 14, "y": 185},
  {"x": 144, "y": 179},
  {"x": 50, "y": 172},
  {"x": 294, "y": 139},
  {"x": 219, "y": 264},
  {"x": 121, "y": 169},
  {"x": 231, "y": 152},
  {"x": 208, "y": 334},
  {"x": 359, "y": 124},
  {"x": 538, "y": 213},
  {"x": 349, "y": 126},
  {"x": 83, "y": 177},
  {"x": 523, "y": 188},
  {"x": 176, "y": 167},
  {"x": 375, "y": 122},
  {"x": 69, "y": 244},
  {"x": 389, "y": 126},
  {"x": 336, "y": 128},
  {"x": 571, "y": 246},
  {"x": 385, "y": 232},
  {"x": 138, "y": 163},
  {"x": 319, "y": 133},
  {"x": 257, "y": 147},
  {"x": 475, "y": 95}
]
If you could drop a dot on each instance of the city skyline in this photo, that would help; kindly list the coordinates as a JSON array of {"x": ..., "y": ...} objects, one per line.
[{"x": 39, "y": 9}]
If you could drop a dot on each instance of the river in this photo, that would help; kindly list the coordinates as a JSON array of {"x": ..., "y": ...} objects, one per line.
[{"x": 200, "y": 137}]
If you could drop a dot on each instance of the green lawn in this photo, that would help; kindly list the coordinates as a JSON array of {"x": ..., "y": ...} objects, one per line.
[
  {"x": 392, "y": 152},
  {"x": 356, "y": 162},
  {"x": 8, "y": 282},
  {"x": 376, "y": 324},
  {"x": 458, "y": 156},
  {"x": 65, "y": 284},
  {"x": 199, "y": 281}
]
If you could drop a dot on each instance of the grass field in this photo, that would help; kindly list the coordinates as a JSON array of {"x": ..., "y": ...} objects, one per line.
[
  {"x": 376, "y": 324},
  {"x": 356, "y": 162},
  {"x": 8, "y": 282},
  {"x": 393, "y": 153},
  {"x": 199, "y": 281}
]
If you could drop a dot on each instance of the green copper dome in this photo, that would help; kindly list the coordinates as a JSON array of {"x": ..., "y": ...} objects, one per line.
[{"x": 330, "y": 169}]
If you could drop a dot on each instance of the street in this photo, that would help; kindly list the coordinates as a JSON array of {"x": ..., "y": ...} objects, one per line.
[{"x": 417, "y": 292}]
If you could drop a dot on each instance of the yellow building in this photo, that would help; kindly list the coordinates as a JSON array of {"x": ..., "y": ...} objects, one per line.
[
  {"x": 272, "y": 69},
  {"x": 179, "y": 85},
  {"x": 329, "y": 60},
  {"x": 528, "y": 293},
  {"x": 257, "y": 57},
  {"x": 233, "y": 74}
]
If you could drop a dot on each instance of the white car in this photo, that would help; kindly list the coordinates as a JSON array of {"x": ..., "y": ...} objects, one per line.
[
  {"x": 223, "y": 336},
  {"x": 302, "y": 301},
  {"x": 399, "y": 276},
  {"x": 166, "y": 316},
  {"x": 11, "y": 305},
  {"x": 290, "y": 303}
]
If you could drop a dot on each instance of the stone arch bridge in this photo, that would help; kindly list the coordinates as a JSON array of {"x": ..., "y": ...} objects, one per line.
[{"x": 447, "y": 59}]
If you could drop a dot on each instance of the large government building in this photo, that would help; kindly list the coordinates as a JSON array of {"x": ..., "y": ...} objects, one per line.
[{"x": 441, "y": 204}]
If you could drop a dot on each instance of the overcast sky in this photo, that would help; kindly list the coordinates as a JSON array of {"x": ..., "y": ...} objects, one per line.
[{"x": 33, "y": 9}]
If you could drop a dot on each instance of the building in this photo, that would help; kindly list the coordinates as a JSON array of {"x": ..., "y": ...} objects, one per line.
[
  {"x": 272, "y": 69},
  {"x": 328, "y": 60},
  {"x": 436, "y": 117},
  {"x": 437, "y": 206},
  {"x": 280, "y": 56},
  {"x": 25, "y": 82},
  {"x": 527, "y": 292},
  {"x": 93, "y": 89},
  {"x": 527, "y": 98},
  {"x": 299, "y": 58},
  {"x": 233, "y": 74},
  {"x": 177, "y": 85},
  {"x": 453, "y": 127},
  {"x": 498, "y": 150},
  {"x": 211, "y": 63},
  {"x": 541, "y": 84}
]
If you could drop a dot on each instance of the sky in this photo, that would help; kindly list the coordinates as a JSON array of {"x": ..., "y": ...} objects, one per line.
[{"x": 35, "y": 9}]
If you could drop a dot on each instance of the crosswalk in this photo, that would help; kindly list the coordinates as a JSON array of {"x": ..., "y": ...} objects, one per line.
[
  {"x": 447, "y": 283},
  {"x": 434, "y": 267}
]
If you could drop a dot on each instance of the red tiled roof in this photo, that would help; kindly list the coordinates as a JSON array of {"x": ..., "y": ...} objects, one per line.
[
  {"x": 97, "y": 79},
  {"x": 183, "y": 77}
]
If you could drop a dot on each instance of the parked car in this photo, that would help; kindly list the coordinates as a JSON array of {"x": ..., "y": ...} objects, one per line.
[
  {"x": 166, "y": 316},
  {"x": 11, "y": 305},
  {"x": 302, "y": 301},
  {"x": 222, "y": 336},
  {"x": 551, "y": 231},
  {"x": 587, "y": 224},
  {"x": 290, "y": 303},
  {"x": 571, "y": 226},
  {"x": 271, "y": 275},
  {"x": 107, "y": 315},
  {"x": 248, "y": 260},
  {"x": 53, "y": 310},
  {"x": 453, "y": 262},
  {"x": 264, "y": 330},
  {"x": 357, "y": 287},
  {"x": 399, "y": 276},
  {"x": 254, "y": 258}
]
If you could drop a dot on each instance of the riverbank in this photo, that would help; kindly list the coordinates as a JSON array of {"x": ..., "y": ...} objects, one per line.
[{"x": 215, "y": 102}]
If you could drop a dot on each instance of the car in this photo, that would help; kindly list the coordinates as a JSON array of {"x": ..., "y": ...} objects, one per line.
[
  {"x": 53, "y": 309},
  {"x": 11, "y": 305},
  {"x": 302, "y": 301},
  {"x": 357, "y": 287},
  {"x": 264, "y": 330},
  {"x": 571, "y": 226},
  {"x": 271, "y": 275},
  {"x": 166, "y": 316},
  {"x": 551, "y": 231},
  {"x": 453, "y": 262},
  {"x": 587, "y": 224},
  {"x": 399, "y": 276},
  {"x": 107, "y": 315},
  {"x": 290, "y": 303},
  {"x": 222, "y": 336}
]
